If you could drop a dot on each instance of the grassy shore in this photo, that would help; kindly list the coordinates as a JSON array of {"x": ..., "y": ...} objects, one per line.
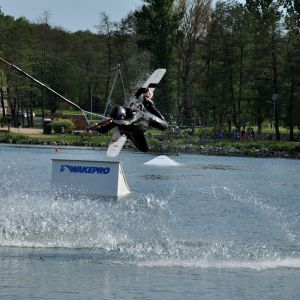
[{"x": 167, "y": 144}]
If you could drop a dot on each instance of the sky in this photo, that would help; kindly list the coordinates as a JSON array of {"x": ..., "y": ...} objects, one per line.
[{"x": 71, "y": 15}]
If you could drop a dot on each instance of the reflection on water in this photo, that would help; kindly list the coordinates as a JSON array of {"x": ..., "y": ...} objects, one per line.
[
  {"x": 159, "y": 177},
  {"x": 217, "y": 167}
]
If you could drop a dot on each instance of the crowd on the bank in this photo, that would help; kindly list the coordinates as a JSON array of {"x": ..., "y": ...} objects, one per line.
[{"x": 243, "y": 134}]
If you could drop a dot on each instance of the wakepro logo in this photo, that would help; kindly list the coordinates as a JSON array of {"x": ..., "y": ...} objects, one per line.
[{"x": 85, "y": 169}]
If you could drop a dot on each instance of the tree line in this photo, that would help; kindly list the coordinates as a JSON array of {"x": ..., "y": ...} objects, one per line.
[{"x": 228, "y": 63}]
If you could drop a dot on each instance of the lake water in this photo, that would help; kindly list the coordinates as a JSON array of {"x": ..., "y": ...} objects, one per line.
[{"x": 214, "y": 228}]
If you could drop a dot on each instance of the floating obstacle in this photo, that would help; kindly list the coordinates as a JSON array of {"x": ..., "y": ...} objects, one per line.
[
  {"x": 103, "y": 178},
  {"x": 162, "y": 160}
]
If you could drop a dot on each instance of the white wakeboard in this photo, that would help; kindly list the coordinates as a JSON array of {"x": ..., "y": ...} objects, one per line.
[
  {"x": 152, "y": 81},
  {"x": 116, "y": 144}
]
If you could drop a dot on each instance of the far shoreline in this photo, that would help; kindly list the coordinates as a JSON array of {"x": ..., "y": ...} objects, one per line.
[
  {"x": 165, "y": 150},
  {"x": 167, "y": 144}
]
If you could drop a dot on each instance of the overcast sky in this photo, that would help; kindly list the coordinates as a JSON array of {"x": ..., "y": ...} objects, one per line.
[{"x": 72, "y": 15}]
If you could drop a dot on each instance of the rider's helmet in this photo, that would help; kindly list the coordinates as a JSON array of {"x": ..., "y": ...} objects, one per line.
[{"x": 118, "y": 113}]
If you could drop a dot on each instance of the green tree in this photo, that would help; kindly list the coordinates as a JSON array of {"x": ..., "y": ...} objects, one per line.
[
  {"x": 190, "y": 39},
  {"x": 266, "y": 37},
  {"x": 2, "y": 91},
  {"x": 227, "y": 46},
  {"x": 156, "y": 26},
  {"x": 292, "y": 65}
]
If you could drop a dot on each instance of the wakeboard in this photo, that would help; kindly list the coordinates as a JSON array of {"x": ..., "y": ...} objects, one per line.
[
  {"x": 116, "y": 144},
  {"x": 152, "y": 81}
]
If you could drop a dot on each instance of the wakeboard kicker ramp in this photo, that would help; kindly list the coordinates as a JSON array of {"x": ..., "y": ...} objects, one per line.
[
  {"x": 162, "y": 160},
  {"x": 103, "y": 178}
]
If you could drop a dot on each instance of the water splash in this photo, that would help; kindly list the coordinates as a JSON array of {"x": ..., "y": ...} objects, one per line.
[
  {"x": 74, "y": 221},
  {"x": 234, "y": 264},
  {"x": 278, "y": 216},
  {"x": 136, "y": 230},
  {"x": 130, "y": 231}
]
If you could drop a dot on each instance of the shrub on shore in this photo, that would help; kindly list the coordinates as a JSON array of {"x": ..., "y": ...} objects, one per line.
[
  {"x": 168, "y": 144},
  {"x": 62, "y": 125}
]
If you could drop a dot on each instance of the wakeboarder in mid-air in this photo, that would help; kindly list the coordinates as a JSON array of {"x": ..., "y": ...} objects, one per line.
[
  {"x": 133, "y": 120},
  {"x": 129, "y": 120}
]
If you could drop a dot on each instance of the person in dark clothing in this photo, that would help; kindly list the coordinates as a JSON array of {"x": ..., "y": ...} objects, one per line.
[
  {"x": 134, "y": 120},
  {"x": 146, "y": 99}
]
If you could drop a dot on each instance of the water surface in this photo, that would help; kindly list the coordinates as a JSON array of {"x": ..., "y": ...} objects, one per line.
[{"x": 214, "y": 228}]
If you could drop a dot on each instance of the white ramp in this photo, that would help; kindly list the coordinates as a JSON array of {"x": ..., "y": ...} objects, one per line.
[
  {"x": 162, "y": 160},
  {"x": 93, "y": 177}
]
